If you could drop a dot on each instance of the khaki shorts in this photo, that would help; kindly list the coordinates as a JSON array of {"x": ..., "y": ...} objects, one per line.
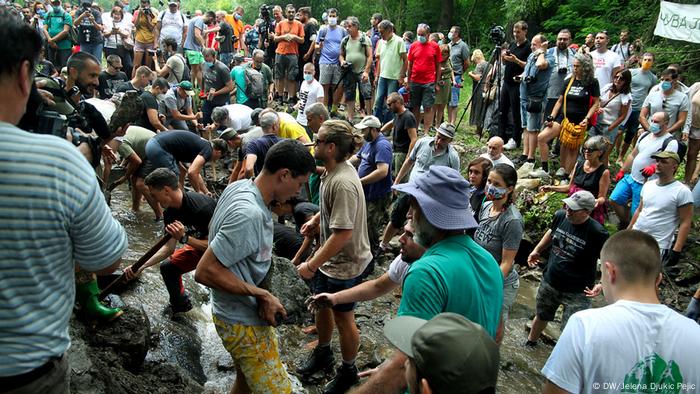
[{"x": 255, "y": 351}]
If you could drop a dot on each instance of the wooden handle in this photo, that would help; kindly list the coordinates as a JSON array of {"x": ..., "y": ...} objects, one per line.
[{"x": 137, "y": 265}]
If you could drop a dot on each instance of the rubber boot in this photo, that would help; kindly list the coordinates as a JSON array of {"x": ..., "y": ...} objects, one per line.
[{"x": 86, "y": 295}]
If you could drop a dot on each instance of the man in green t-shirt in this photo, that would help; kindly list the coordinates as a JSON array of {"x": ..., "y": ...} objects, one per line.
[
  {"x": 391, "y": 68},
  {"x": 355, "y": 62},
  {"x": 454, "y": 274},
  {"x": 56, "y": 28}
]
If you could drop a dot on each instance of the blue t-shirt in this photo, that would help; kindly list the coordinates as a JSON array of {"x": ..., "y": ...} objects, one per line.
[
  {"x": 259, "y": 148},
  {"x": 331, "y": 44},
  {"x": 455, "y": 275},
  {"x": 371, "y": 153},
  {"x": 240, "y": 235},
  {"x": 238, "y": 77},
  {"x": 191, "y": 43},
  {"x": 537, "y": 87}
]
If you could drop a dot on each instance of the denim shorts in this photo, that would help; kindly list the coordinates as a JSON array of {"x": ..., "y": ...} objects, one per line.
[
  {"x": 322, "y": 283},
  {"x": 604, "y": 130},
  {"x": 531, "y": 121},
  {"x": 157, "y": 157},
  {"x": 510, "y": 292},
  {"x": 454, "y": 99}
]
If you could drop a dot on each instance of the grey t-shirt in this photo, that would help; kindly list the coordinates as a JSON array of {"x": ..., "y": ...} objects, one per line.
[
  {"x": 174, "y": 101},
  {"x": 562, "y": 60},
  {"x": 424, "y": 156},
  {"x": 240, "y": 236},
  {"x": 642, "y": 82},
  {"x": 191, "y": 43},
  {"x": 216, "y": 77},
  {"x": 459, "y": 53},
  {"x": 176, "y": 63},
  {"x": 500, "y": 232}
]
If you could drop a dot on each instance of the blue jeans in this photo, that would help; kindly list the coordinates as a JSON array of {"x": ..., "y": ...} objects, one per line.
[
  {"x": 454, "y": 99},
  {"x": 93, "y": 49},
  {"x": 226, "y": 58},
  {"x": 384, "y": 88}
]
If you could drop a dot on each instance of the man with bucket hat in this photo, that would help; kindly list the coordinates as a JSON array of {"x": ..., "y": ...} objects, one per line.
[
  {"x": 576, "y": 240},
  {"x": 454, "y": 274},
  {"x": 447, "y": 354}
]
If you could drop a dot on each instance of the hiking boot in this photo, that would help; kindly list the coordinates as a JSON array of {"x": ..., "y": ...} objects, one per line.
[
  {"x": 530, "y": 344},
  {"x": 185, "y": 305},
  {"x": 345, "y": 377},
  {"x": 321, "y": 359}
]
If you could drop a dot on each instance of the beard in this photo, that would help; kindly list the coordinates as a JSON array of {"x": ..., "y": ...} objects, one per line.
[{"x": 425, "y": 232}]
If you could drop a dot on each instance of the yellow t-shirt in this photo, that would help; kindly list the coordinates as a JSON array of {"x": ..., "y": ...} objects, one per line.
[
  {"x": 144, "y": 28},
  {"x": 293, "y": 130}
]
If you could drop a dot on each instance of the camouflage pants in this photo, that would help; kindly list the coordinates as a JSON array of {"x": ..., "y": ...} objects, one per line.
[
  {"x": 397, "y": 161},
  {"x": 377, "y": 216}
]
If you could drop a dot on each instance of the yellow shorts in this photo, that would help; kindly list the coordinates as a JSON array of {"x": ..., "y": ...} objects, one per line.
[{"x": 255, "y": 351}]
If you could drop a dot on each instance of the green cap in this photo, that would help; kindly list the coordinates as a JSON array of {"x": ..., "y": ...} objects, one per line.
[
  {"x": 187, "y": 87},
  {"x": 664, "y": 154},
  {"x": 452, "y": 353}
]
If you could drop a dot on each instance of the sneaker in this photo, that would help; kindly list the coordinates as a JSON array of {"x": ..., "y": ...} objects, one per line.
[
  {"x": 345, "y": 378},
  {"x": 319, "y": 360},
  {"x": 510, "y": 145},
  {"x": 561, "y": 173},
  {"x": 182, "y": 307},
  {"x": 538, "y": 173},
  {"x": 530, "y": 344}
]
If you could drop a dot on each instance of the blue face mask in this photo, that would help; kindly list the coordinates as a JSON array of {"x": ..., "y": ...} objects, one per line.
[
  {"x": 422, "y": 39},
  {"x": 308, "y": 77},
  {"x": 654, "y": 127},
  {"x": 209, "y": 64},
  {"x": 41, "y": 13},
  {"x": 666, "y": 85},
  {"x": 237, "y": 17},
  {"x": 495, "y": 193}
]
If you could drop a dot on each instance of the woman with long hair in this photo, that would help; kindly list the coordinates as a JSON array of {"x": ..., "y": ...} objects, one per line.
[
  {"x": 500, "y": 232},
  {"x": 478, "y": 172},
  {"x": 570, "y": 116},
  {"x": 446, "y": 82},
  {"x": 615, "y": 101},
  {"x": 476, "y": 114},
  {"x": 591, "y": 174}
]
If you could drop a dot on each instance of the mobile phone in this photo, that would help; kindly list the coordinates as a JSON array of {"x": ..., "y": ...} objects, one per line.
[{"x": 508, "y": 52}]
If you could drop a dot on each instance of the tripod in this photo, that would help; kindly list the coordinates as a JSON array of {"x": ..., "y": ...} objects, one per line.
[{"x": 494, "y": 76}]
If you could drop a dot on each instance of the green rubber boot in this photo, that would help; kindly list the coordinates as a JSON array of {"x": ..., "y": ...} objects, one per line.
[{"x": 86, "y": 295}]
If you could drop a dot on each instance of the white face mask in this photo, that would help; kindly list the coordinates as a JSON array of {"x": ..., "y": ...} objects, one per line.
[{"x": 332, "y": 21}]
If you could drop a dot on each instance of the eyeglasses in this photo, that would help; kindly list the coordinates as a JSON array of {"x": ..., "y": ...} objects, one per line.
[
  {"x": 318, "y": 141},
  {"x": 586, "y": 149}
]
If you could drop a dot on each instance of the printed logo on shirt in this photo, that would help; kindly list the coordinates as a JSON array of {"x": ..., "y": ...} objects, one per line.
[{"x": 653, "y": 374}]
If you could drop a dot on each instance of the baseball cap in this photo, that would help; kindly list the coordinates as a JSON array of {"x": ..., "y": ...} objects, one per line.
[
  {"x": 447, "y": 129},
  {"x": 171, "y": 2},
  {"x": 228, "y": 134},
  {"x": 582, "y": 199},
  {"x": 664, "y": 154},
  {"x": 454, "y": 354},
  {"x": 187, "y": 86},
  {"x": 369, "y": 121}
]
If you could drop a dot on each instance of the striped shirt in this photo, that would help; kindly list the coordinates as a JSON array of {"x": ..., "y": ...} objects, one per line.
[{"x": 52, "y": 214}]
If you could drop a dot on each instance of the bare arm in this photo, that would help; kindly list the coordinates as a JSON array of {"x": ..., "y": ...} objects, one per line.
[
  {"x": 228, "y": 88},
  {"x": 154, "y": 120},
  {"x": 636, "y": 213},
  {"x": 366, "y": 291},
  {"x": 405, "y": 167},
  {"x": 686, "y": 214},
  {"x": 534, "y": 257},
  {"x": 163, "y": 253},
  {"x": 249, "y": 165},
  {"x": 680, "y": 122},
  {"x": 376, "y": 175},
  {"x": 330, "y": 248},
  {"x": 507, "y": 260},
  {"x": 389, "y": 378},
  {"x": 404, "y": 65},
  {"x": 643, "y": 115},
  {"x": 603, "y": 186},
  {"x": 194, "y": 174}
]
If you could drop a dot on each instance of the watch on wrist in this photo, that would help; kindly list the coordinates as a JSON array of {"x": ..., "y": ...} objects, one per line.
[{"x": 184, "y": 239}]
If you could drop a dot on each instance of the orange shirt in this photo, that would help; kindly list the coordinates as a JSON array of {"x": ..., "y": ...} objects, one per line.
[
  {"x": 286, "y": 27},
  {"x": 238, "y": 27}
]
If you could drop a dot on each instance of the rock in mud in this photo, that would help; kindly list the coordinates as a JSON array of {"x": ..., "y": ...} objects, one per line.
[{"x": 283, "y": 282}]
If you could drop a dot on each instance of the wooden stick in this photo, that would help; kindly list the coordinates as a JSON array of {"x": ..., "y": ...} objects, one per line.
[{"x": 137, "y": 265}]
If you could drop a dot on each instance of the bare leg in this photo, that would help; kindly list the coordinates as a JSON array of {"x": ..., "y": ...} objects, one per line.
[
  {"x": 417, "y": 115},
  {"x": 240, "y": 386},
  {"x": 530, "y": 144},
  {"x": 622, "y": 212},
  {"x": 349, "y": 336},
  {"x": 439, "y": 113},
  {"x": 692, "y": 160},
  {"x": 138, "y": 57},
  {"x": 538, "y": 325},
  {"x": 350, "y": 110},
  {"x": 324, "y": 325},
  {"x": 327, "y": 95},
  {"x": 428, "y": 119},
  {"x": 140, "y": 186},
  {"x": 568, "y": 159},
  {"x": 543, "y": 138},
  {"x": 389, "y": 233},
  {"x": 452, "y": 114},
  {"x": 291, "y": 88}
]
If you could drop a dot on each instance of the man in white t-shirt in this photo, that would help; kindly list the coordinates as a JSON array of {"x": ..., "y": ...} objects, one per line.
[
  {"x": 636, "y": 344},
  {"x": 235, "y": 116},
  {"x": 495, "y": 152},
  {"x": 606, "y": 62},
  {"x": 311, "y": 92},
  {"x": 665, "y": 205},
  {"x": 171, "y": 24}
]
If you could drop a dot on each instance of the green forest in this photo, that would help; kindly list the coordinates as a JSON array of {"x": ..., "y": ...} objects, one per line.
[{"x": 477, "y": 17}]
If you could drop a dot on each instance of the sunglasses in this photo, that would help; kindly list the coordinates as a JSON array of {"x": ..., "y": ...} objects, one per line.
[
  {"x": 318, "y": 141},
  {"x": 586, "y": 149}
]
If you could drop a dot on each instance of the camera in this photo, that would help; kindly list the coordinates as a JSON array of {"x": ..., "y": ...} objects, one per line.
[
  {"x": 497, "y": 34},
  {"x": 264, "y": 11},
  {"x": 528, "y": 79},
  {"x": 51, "y": 122},
  {"x": 562, "y": 70},
  {"x": 346, "y": 66}
]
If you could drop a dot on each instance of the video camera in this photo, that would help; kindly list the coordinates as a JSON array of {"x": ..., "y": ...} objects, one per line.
[
  {"x": 497, "y": 34},
  {"x": 265, "y": 11}
]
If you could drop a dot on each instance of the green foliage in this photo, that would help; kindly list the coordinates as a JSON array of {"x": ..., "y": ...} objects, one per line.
[{"x": 537, "y": 216}]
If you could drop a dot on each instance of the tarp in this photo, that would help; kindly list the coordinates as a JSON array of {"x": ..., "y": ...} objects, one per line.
[{"x": 679, "y": 22}]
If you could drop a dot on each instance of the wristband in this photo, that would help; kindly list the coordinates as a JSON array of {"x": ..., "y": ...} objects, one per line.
[{"x": 184, "y": 239}]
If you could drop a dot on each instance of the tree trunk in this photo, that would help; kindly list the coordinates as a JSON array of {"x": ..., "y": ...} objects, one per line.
[{"x": 446, "y": 15}]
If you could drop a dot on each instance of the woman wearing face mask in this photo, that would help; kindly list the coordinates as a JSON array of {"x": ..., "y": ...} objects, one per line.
[
  {"x": 669, "y": 100},
  {"x": 500, "y": 232},
  {"x": 590, "y": 174},
  {"x": 479, "y": 169},
  {"x": 615, "y": 100},
  {"x": 117, "y": 33}
]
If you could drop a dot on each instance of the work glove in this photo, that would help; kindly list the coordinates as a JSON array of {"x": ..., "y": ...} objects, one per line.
[
  {"x": 619, "y": 176},
  {"x": 649, "y": 170},
  {"x": 672, "y": 258}
]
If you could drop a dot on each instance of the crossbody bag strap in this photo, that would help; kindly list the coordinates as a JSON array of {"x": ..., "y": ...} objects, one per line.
[{"x": 566, "y": 92}]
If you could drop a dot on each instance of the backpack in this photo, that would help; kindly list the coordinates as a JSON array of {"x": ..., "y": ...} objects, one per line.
[
  {"x": 682, "y": 147},
  {"x": 186, "y": 75},
  {"x": 72, "y": 31},
  {"x": 254, "y": 82},
  {"x": 162, "y": 15},
  {"x": 363, "y": 41}
]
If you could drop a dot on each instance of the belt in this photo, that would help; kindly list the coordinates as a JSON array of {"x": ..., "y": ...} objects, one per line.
[{"x": 9, "y": 383}]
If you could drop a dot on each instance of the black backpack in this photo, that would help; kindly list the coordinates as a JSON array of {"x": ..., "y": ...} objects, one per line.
[
  {"x": 682, "y": 147},
  {"x": 186, "y": 75}
]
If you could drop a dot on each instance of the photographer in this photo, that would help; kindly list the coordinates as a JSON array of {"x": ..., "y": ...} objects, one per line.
[
  {"x": 145, "y": 24},
  {"x": 58, "y": 223},
  {"x": 117, "y": 34},
  {"x": 89, "y": 26}
]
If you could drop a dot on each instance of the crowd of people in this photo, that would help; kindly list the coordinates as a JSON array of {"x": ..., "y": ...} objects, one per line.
[{"x": 351, "y": 133}]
